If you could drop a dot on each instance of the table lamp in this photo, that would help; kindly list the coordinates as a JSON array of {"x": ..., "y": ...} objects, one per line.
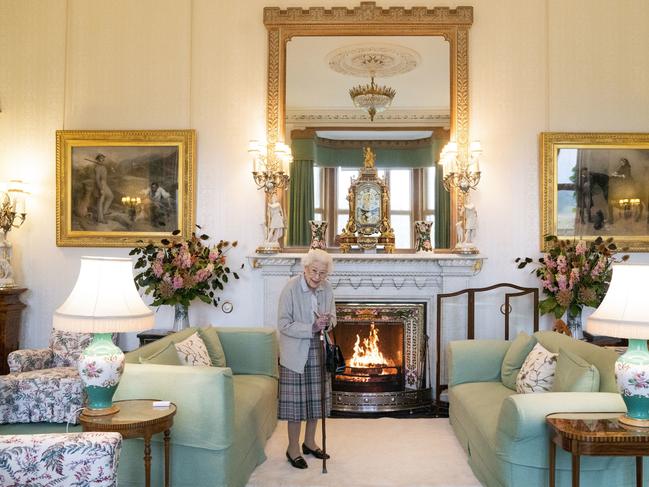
[
  {"x": 104, "y": 301},
  {"x": 624, "y": 313}
]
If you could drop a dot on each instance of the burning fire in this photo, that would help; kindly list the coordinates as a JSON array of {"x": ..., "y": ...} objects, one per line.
[{"x": 368, "y": 354}]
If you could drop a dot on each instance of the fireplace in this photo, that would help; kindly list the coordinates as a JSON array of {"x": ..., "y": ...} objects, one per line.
[
  {"x": 384, "y": 345},
  {"x": 378, "y": 278}
]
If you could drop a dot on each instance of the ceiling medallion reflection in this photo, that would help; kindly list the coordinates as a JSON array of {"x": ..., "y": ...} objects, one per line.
[{"x": 377, "y": 60}]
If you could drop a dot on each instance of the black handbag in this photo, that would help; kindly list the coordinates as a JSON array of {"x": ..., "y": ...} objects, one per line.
[{"x": 334, "y": 360}]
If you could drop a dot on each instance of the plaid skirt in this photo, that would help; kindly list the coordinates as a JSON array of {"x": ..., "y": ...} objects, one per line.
[{"x": 300, "y": 394}]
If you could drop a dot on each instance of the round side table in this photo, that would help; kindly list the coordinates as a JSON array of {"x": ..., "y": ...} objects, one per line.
[{"x": 137, "y": 418}]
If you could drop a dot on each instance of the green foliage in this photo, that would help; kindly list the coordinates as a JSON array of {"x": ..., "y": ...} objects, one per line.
[
  {"x": 179, "y": 271},
  {"x": 573, "y": 273}
]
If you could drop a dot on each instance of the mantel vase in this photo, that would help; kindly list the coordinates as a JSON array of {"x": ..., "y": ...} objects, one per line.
[
  {"x": 181, "y": 317},
  {"x": 422, "y": 236},
  {"x": 318, "y": 229},
  {"x": 575, "y": 325}
]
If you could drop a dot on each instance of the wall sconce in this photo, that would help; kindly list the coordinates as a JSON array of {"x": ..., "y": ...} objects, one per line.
[
  {"x": 462, "y": 172},
  {"x": 270, "y": 167},
  {"x": 270, "y": 171},
  {"x": 12, "y": 215}
]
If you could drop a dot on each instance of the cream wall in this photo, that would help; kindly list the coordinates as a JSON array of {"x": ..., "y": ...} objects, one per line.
[{"x": 562, "y": 65}]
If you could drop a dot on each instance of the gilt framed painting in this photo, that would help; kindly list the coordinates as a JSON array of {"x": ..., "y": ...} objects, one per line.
[
  {"x": 596, "y": 184},
  {"x": 119, "y": 188}
]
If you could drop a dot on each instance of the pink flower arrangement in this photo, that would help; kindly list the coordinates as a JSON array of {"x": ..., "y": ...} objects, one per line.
[
  {"x": 573, "y": 274},
  {"x": 179, "y": 271}
]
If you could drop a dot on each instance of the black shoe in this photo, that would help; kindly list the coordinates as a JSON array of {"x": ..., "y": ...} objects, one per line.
[
  {"x": 318, "y": 453},
  {"x": 298, "y": 462}
]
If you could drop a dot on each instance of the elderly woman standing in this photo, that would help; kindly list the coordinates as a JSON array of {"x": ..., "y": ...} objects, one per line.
[{"x": 306, "y": 307}]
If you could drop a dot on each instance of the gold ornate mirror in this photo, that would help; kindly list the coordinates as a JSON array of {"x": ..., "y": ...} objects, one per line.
[{"x": 371, "y": 22}]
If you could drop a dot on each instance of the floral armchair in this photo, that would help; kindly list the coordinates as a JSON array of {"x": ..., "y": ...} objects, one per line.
[
  {"x": 60, "y": 459},
  {"x": 43, "y": 384}
]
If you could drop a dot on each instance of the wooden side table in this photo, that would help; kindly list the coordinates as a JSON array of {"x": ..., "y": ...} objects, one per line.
[
  {"x": 137, "y": 418},
  {"x": 150, "y": 336},
  {"x": 10, "y": 310},
  {"x": 598, "y": 434}
]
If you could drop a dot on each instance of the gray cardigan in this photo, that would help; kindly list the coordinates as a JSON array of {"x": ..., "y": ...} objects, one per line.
[{"x": 295, "y": 319}]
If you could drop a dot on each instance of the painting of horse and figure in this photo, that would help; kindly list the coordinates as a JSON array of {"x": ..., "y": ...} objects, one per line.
[{"x": 596, "y": 185}]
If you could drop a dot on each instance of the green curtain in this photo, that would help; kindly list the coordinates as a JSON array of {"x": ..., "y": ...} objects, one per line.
[
  {"x": 442, "y": 212},
  {"x": 300, "y": 203},
  {"x": 407, "y": 158},
  {"x": 391, "y": 154}
]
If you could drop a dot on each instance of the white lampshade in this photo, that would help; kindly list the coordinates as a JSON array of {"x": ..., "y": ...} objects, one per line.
[
  {"x": 104, "y": 300},
  {"x": 624, "y": 312}
]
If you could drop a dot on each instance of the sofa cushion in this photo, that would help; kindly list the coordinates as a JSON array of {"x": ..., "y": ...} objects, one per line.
[
  {"x": 514, "y": 358},
  {"x": 192, "y": 351},
  {"x": 213, "y": 344},
  {"x": 602, "y": 358},
  {"x": 250, "y": 350},
  {"x": 166, "y": 356},
  {"x": 537, "y": 372},
  {"x": 574, "y": 374},
  {"x": 67, "y": 346},
  {"x": 477, "y": 405}
]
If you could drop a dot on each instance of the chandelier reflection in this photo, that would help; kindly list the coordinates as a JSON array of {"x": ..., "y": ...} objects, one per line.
[
  {"x": 372, "y": 97},
  {"x": 270, "y": 165}
]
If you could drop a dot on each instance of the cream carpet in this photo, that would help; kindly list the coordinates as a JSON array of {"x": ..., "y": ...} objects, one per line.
[{"x": 373, "y": 453}]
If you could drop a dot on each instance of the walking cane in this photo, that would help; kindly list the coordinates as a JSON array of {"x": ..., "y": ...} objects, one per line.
[{"x": 323, "y": 398}]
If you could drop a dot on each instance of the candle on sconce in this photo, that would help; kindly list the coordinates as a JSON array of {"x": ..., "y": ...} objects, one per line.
[
  {"x": 19, "y": 203},
  {"x": 476, "y": 152},
  {"x": 17, "y": 192},
  {"x": 254, "y": 149}
]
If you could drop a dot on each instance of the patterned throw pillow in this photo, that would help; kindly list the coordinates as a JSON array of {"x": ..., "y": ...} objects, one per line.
[
  {"x": 537, "y": 372},
  {"x": 192, "y": 351}
]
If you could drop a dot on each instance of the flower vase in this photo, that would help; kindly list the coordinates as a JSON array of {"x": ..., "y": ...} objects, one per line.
[
  {"x": 574, "y": 325},
  {"x": 181, "y": 317},
  {"x": 318, "y": 229},
  {"x": 422, "y": 236}
]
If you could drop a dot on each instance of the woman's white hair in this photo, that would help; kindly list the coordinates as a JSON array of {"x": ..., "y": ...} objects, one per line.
[{"x": 317, "y": 255}]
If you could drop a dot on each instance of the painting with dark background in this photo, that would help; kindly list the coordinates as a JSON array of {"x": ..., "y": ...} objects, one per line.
[{"x": 125, "y": 188}]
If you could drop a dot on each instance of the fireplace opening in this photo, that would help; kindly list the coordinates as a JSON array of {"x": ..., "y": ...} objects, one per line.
[
  {"x": 384, "y": 345},
  {"x": 373, "y": 357}
]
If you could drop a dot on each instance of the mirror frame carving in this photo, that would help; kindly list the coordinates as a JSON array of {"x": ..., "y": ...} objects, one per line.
[{"x": 370, "y": 20}]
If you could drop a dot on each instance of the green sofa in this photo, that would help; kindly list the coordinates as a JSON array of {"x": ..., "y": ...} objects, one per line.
[
  {"x": 225, "y": 414},
  {"x": 505, "y": 433}
]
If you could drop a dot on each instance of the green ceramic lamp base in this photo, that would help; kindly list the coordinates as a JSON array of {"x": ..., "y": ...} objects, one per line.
[
  {"x": 100, "y": 368},
  {"x": 632, "y": 374}
]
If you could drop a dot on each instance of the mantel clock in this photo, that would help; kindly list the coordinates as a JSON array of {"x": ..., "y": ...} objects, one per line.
[{"x": 369, "y": 211}]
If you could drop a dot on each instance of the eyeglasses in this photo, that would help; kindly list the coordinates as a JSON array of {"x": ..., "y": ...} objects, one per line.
[{"x": 315, "y": 273}]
